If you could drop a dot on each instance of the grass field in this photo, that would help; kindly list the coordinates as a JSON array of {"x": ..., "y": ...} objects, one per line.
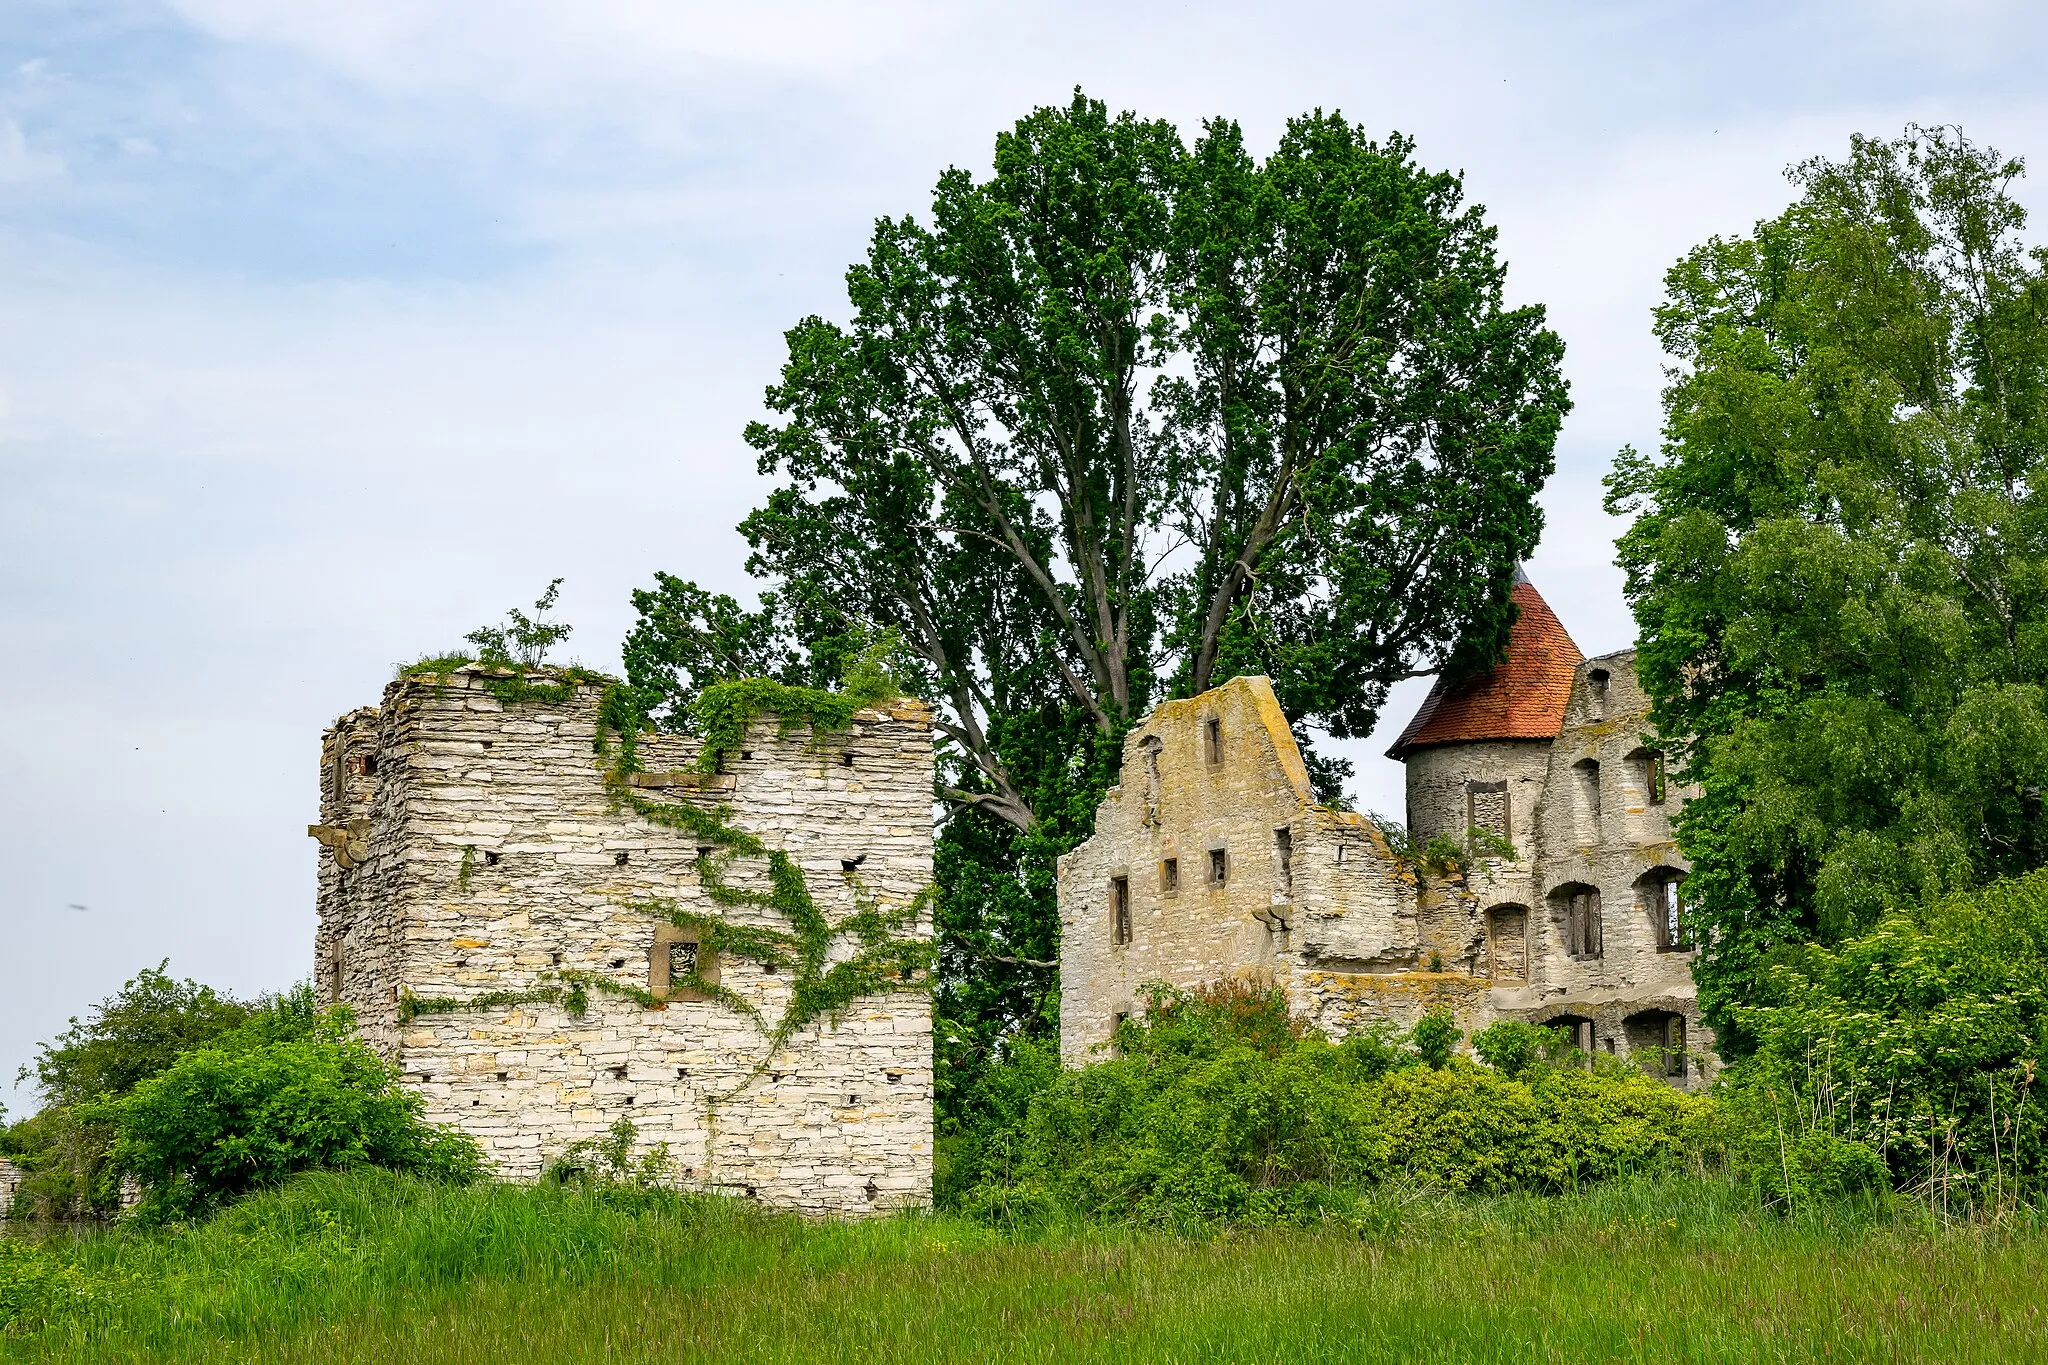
[{"x": 379, "y": 1268}]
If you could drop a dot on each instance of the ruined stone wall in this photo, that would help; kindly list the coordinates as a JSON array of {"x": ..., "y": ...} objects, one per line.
[
  {"x": 1355, "y": 938},
  {"x": 1188, "y": 793},
  {"x": 1440, "y": 781},
  {"x": 1301, "y": 882},
  {"x": 11, "y": 1177},
  {"x": 496, "y": 860},
  {"x": 1598, "y": 828}
]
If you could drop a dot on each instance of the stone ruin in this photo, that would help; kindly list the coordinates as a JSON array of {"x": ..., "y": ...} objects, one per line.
[
  {"x": 1212, "y": 860},
  {"x": 479, "y": 881}
]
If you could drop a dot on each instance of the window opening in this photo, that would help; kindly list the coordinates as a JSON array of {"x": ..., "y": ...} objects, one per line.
[
  {"x": 1582, "y": 923},
  {"x": 1120, "y": 909},
  {"x": 1596, "y": 691},
  {"x": 1169, "y": 875},
  {"x": 1507, "y": 940},
  {"x": 1212, "y": 741},
  {"x": 1674, "y": 1046},
  {"x": 1586, "y": 807},
  {"x": 1151, "y": 745},
  {"x": 1219, "y": 867},
  {"x": 680, "y": 967},
  {"x": 1117, "y": 1020},
  {"x": 1283, "y": 858},
  {"x": 1486, "y": 808},
  {"x": 1667, "y": 912}
]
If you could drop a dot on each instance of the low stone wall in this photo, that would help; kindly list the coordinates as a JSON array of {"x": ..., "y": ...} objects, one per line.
[{"x": 10, "y": 1182}]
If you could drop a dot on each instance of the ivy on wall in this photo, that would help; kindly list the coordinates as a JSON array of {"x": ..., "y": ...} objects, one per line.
[{"x": 882, "y": 958}]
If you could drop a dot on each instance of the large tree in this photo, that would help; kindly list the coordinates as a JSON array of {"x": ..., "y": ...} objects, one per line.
[
  {"x": 1839, "y": 561},
  {"x": 1122, "y": 420}
]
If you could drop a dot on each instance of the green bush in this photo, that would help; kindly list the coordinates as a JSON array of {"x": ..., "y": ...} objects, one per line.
[
  {"x": 1222, "y": 1107},
  {"x": 1920, "y": 1041},
  {"x": 129, "y": 1037},
  {"x": 224, "y": 1120},
  {"x": 1511, "y": 1047}
]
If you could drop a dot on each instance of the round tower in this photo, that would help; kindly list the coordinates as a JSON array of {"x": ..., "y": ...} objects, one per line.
[{"x": 1477, "y": 750}]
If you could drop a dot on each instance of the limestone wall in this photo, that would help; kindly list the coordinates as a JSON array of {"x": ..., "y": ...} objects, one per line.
[
  {"x": 10, "y": 1182},
  {"x": 1599, "y": 828},
  {"x": 1190, "y": 793},
  {"x": 1355, "y": 938},
  {"x": 496, "y": 861}
]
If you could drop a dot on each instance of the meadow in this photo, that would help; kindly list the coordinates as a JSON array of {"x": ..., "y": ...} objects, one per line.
[{"x": 376, "y": 1266}]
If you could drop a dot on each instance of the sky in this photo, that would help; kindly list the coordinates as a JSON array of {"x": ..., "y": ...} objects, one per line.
[{"x": 330, "y": 331}]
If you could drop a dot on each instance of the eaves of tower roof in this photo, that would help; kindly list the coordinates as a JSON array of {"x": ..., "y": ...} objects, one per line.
[{"x": 1523, "y": 697}]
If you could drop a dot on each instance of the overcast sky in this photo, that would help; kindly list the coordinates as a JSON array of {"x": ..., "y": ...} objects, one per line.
[{"x": 330, "y": 330}]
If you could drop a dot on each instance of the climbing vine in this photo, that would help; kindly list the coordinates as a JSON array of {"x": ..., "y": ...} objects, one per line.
[{"x": 881, "y": 960}]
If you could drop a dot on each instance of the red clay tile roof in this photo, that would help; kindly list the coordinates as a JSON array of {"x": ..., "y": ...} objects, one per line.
[{"x": 1523, "y": 698}]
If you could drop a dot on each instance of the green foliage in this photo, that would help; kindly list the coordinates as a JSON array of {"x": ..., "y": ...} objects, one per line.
[
  {"x": 523, "y": 641},
  {"x": 1921, "y": 1040},
  {"x": 1440, "y": 855},
  {"x": 1124, "y": 419},
  {"x": 369, "y": 1265},
  {"x": 1512, "y": 1047},
  {"x": 223, "y": 1120},
  {"x": 1839, "y": 561},
  {"x": 1435, "y": 1037},
  {"x": 1221, "y": 1106},
  {"x": 134, "y": 1034},
  {"x": 608, "y": 1163},
  {"x": 37, "y": 1285}
]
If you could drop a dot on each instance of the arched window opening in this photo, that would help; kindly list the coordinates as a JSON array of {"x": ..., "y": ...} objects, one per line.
[
  {"x": 1664, "y": 902},
  {"x": 1578, "y": 906}
]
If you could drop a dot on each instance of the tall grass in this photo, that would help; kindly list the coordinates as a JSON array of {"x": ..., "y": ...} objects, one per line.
[{"x": 379, "y": 1267}]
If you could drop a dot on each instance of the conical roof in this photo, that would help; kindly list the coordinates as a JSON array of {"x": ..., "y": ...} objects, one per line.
[{"x": 1523, "y": 697}]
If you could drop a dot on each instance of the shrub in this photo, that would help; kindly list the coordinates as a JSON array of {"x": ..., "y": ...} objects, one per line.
[
  {"x": 1222, "y": 1107},
  {"x": 1511, "y": 1046},
  {"x": 1920, "y": 1040},
  {"x": 224, "y": 1120},
  {"x": 130, "y": 1036},
  {"x": 1435, "y": 1037}
]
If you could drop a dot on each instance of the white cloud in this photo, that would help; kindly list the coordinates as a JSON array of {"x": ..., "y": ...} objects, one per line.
[{"x": 20, "y": 163}]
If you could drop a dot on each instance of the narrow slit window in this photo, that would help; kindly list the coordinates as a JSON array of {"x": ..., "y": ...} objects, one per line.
[
  {"x": 1120, "y": 909},
  {"x": 1169, "y": 875},
  {"x": 1283, "y": 859},
  {"x": 1219, "y": 867},
  {"x": 1212, "y": 742}
]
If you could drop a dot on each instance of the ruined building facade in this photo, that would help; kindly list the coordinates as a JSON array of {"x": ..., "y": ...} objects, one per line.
[
  {"x": 1212, "y": 859},
  {"x": 473, "y": 855}
]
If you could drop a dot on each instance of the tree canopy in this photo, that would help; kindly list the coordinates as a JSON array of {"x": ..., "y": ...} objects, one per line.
[
  {"x": 1124, "y": 419},
  {"x": 1839, "y": 560}
]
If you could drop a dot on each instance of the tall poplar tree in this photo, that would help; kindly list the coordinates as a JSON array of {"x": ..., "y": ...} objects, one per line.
[{"x": 1120, "y": 421}]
